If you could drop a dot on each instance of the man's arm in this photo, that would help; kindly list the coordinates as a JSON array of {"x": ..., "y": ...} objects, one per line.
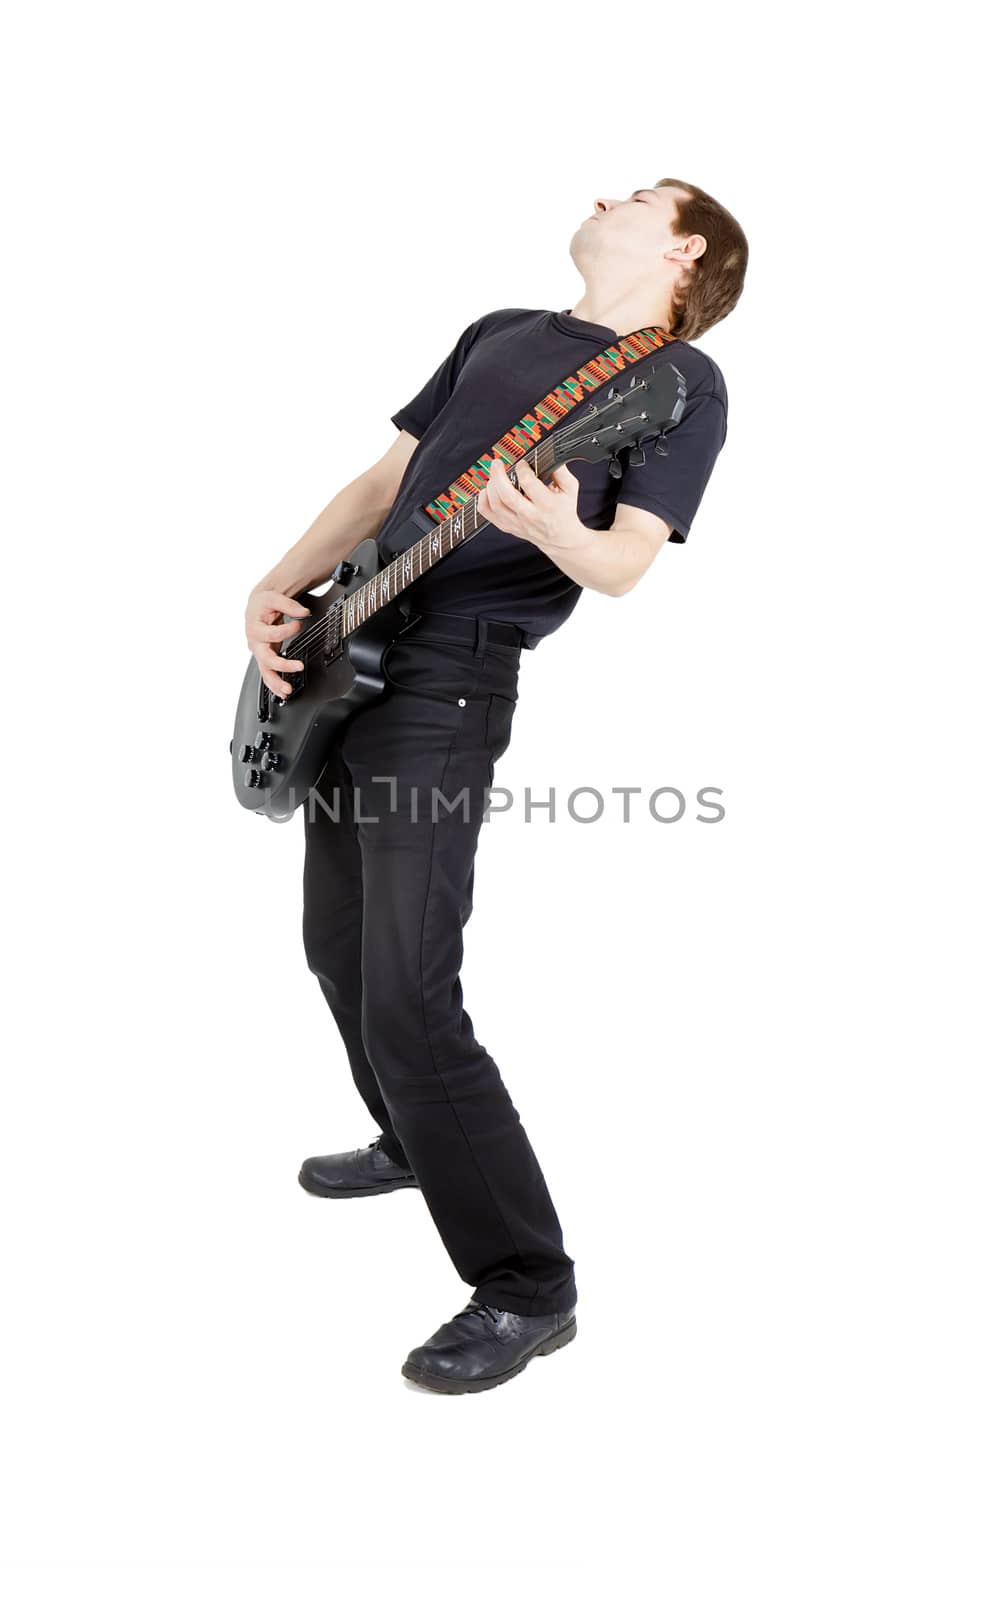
[
  {"x": 613, "y": 559},
  {"x": 610, "y": 560},
  {"x": 356, "y": 512}
]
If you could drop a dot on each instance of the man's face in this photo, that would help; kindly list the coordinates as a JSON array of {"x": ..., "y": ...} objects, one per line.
[{"x": 636, "y": 230}]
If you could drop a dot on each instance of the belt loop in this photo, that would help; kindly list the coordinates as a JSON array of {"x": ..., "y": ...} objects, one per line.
[{"x": 481, "y": 640}]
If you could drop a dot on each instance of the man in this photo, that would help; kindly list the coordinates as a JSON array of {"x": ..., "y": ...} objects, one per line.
[{"x": 388, "y": 877}]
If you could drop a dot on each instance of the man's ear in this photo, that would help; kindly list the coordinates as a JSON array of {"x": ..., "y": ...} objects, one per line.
[{"x": 688, "y": 250}]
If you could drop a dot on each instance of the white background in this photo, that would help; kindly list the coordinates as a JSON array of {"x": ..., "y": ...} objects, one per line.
[{"x": 742, "y": 1051}]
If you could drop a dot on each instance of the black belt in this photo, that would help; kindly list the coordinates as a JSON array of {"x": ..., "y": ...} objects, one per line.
[{"x": 456, "y": 626}]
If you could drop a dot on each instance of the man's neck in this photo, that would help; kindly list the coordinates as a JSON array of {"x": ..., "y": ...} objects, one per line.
[{"x": 624, "y": 313}]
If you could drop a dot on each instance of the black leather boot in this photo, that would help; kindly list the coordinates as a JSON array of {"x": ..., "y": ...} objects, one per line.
[
  {"x": 481, "y": 1347},
  {"x": 364, "y": 1171}
]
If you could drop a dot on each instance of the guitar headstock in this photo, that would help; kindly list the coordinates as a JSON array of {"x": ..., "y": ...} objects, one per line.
[{"x": 645, "y": 410}]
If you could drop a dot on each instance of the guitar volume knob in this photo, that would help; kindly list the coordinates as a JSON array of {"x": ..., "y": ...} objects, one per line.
[{"x": 247, "y": 753}]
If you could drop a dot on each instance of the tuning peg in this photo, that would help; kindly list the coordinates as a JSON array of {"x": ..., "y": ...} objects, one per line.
[
  {"x": 637, "y": 457},
  {"x": 613, "y": 392},
  {"x": 660, "y": 449},
  {"x": 616, "y": 467}
]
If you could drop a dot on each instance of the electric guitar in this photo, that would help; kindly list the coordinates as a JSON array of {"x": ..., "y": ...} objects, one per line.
[{"x": 281, "y": 743}]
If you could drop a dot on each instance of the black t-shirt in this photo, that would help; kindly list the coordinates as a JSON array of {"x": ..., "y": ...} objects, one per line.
[{"x": 499, "y": 368}]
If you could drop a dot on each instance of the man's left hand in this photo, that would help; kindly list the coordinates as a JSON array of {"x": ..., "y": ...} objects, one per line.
[{"x": 544, "y": 514}]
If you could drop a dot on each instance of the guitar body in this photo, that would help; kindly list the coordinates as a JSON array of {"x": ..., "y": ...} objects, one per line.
[{"x": 279, "y": 748}]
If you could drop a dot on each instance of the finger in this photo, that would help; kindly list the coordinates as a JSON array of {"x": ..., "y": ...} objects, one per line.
[
  {"x": 270, "y": 677},
  {"x": 273, "y": 600},
  {"x": 505, "y": 523},
  {"x": 278, "y": 685},
  {"x": 504, "y": 490},
  {"x": 493, "y": 508},
  {"x": 271, "y": 659},
  {"x": 534, "y": 490},
  {"x": 276, "y": 630}
]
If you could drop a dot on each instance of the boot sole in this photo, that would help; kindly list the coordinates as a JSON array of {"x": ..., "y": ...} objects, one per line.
[
  {"x": 441, "y": 1385},
  {"x": 386, "y": 1186}
]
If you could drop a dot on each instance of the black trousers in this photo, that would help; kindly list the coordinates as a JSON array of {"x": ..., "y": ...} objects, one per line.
[{"x": 391, "y": 837}]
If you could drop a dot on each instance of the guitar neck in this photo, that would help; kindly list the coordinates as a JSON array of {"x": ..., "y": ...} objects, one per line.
[{"x": 446, "y": 536}]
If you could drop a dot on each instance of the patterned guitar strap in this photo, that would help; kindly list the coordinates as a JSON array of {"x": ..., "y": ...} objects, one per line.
[{"x": 538, "y": 422}]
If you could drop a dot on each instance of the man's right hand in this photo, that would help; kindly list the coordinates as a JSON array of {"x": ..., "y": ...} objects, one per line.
[{"x": 265, "y": 628}]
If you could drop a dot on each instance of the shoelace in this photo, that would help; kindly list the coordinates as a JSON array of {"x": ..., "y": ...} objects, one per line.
[{"x": 477, "y": 1307}]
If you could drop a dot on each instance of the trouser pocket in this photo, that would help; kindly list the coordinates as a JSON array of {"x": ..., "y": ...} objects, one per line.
[
  {"x": 497, "y": 731},
  {"x": 437, "y": 671}
]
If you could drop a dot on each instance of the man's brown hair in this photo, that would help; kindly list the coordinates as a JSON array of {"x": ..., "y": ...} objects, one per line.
[{"x": 708, "y": 289}]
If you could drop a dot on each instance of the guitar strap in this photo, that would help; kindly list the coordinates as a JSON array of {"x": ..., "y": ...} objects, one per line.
[{"x": 533, "y": 426}]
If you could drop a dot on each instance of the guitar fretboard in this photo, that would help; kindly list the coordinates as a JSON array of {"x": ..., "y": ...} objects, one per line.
[{"x": 422, "y": 556}]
